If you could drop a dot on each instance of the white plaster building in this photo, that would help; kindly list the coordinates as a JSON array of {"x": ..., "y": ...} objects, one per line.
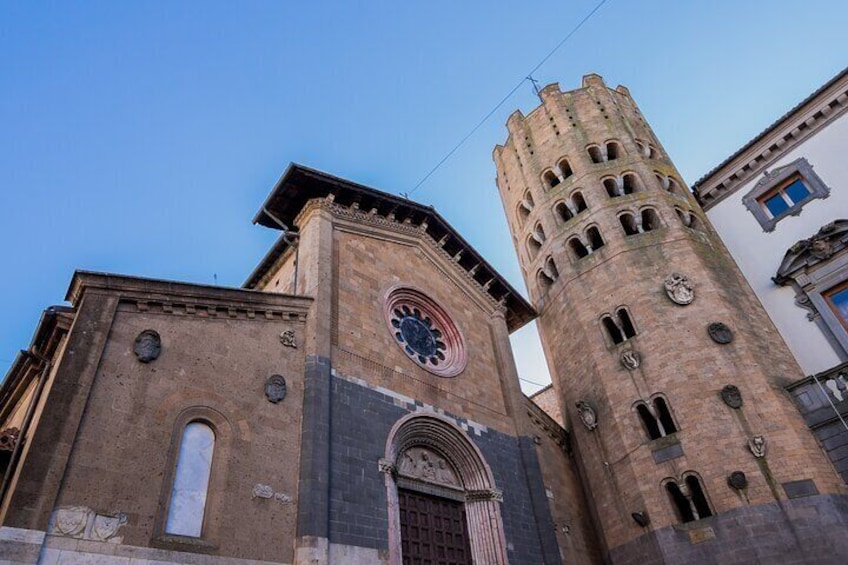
[{"x": 780, "y": 205}]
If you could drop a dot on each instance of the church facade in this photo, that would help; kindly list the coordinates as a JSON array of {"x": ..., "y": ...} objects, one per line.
[{"x": 357, "y": 401}]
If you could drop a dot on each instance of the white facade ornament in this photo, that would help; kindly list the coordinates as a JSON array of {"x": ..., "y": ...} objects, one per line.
[
  {"x": 262, "y": 491},
  {"x": 82, "y": 522},
  {"x": 287, "y": 338},
  {"x": 587, "y": 414},
  {"x": 630, "y": 359},
  {"x": 757, "y": 445},
  {"x": 679, "y": 289}
]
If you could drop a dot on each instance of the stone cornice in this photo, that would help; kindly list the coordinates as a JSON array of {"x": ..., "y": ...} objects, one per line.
[
  {"x": 805, "y": 120},
  {"x": 172, "y": 297}
]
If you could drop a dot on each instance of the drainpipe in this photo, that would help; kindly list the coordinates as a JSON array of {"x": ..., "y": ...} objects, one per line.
[{"x": 39, "y": 388}]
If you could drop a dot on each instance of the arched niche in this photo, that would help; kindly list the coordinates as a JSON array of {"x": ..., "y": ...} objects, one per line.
[{"x": 428, "y": 453}]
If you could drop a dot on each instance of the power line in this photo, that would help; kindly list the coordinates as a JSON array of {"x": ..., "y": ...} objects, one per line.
[
  {"x": 532, "y": 383},
  {"x": 508, "y": 96}
]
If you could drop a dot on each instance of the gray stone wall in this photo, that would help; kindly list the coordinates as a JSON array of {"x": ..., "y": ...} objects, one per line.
[
  {"x": 361, "y": 419},
  {"x": 803, "y": 530}
]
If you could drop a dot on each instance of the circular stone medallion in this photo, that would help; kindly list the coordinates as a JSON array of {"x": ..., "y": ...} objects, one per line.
[
  {"x": 147, "y": 346},
  {"x": 737, "y": 480},
  {"x": 425, "y": 331}
]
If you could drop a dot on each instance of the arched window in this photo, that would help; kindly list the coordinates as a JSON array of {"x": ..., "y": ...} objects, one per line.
[
  {"x": 625, "y": 323},
  {"x": 649, "y": 421},
  {"x": 695, "y": 222},
  {"x": 629, "y": 183},
  {"x": 673, "y": 187},
  {"x": 539, "y": 232},
  {"x": 563, "y": 212},
  {"x": 683, "y": 216},
  {"x": 593, "y": 236},
  {"x": 612, "y": 187},
  {"x": 628, "y": 223},
  {"x": 652, "y": 152},
  {"x": 643, "y": 149},
  {"x": 578, "y": 201},
  {"x": 650, "y": 219},
  {"x": 549, "y": 179},
  {"x": 578, "y": 250},
  {"x": 613, "y": 150},
  {"x": 664, "y": 415},
  {"x": 525, "y": 206},
  {"x": 595, "y": 154},
  {"x": 656, "y": 418},
  {"x": 688, "y": 498},
  {"x": 533, "y": 247},
  {"x": 191, "y": 481},
  {"x": 612, "y": 329},
  {"x": 565, "y": 168}
]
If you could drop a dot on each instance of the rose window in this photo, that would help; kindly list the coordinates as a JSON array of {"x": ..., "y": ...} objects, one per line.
[{"x": 425, "y": 332}]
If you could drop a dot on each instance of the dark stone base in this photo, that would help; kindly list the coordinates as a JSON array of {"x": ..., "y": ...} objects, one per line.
[{"x": 804, "y": 530}]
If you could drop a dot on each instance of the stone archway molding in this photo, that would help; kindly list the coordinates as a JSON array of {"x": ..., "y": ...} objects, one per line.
[{"x": 476, "y": 483}]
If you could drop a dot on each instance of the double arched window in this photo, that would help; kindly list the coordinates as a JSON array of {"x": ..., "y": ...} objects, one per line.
[
  {"x": 656, "y": 417},
  {"x": 688, "y": 498},
  {"x": 619, "y": 328}
]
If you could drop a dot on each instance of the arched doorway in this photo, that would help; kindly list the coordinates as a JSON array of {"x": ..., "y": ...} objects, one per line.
[{"x": 442, "y": 496}]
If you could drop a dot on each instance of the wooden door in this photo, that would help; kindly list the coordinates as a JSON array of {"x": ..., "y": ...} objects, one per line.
[{"x": 433, "y": 530}]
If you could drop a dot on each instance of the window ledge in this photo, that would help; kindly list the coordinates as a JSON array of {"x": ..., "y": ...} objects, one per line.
[{"x": 184, "y": 543}]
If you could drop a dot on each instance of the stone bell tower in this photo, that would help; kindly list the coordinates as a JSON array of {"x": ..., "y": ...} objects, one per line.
[{"x": 666, "y": 365}]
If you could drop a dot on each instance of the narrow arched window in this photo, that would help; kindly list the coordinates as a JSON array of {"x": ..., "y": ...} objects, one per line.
[
  {"x": 680, "y": 502},
  {"x": 593, "y": 235},
  {"x": 628, "y": 224},
  {"x": 625, "y": 323},
  {"x": 629, "y": 183},
  {"x": 533, "y": 247},
  {"x": 664, "y": 416},
  {"x": 684, "y": 217},
  {"x": 191, "y": 481},
  {"x": 550, "y": 179},
  {"x": 563, "y": 212},
  {"x": 699, "y": 499},
  {"x": 565, "y": 168},
  {"x": 612, "y": 330},
  {"x": 673, "y": 187},
  {"x": 695, "y": 222},
  {"x": 613, "y": 151},
  {"x": 650, "y": 219},
  {"x": 578, "y": 250},
  {"x": 539, "y": 232},
  {"x": 653, "y": 153},
  {"x": 643, "y": 150},
  {"x": 612, "y": 187},
  {"x": 595, "y": 154},
  {"x": 649, "y": 421},
  {"x": 579, "y": 201}
]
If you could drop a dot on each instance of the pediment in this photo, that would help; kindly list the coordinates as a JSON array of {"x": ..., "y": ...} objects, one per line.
[{"x": 830, "y": 240}]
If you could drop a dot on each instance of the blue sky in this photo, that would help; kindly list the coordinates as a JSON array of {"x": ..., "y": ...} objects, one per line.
[{"x": 140, "y": 138}]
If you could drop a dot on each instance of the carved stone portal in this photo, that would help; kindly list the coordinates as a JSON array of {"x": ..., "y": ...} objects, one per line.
[
  {"x": 587, "y": 414},
  {"x": 720, "y": 333},
  {"x": 630, "y": 359},
  {"x": 732, "y": 396},
  {"x": 421, "y": 463},
  {"x": 148, "y": 346},
  {"x": 275, "y": 388},
  {"x": 679, "y": 289}
]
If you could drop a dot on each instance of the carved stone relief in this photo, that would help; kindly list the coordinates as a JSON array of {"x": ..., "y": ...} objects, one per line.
[
  {"x": 275, "y": 388},
  {"x": 679, "y": 289},
  {"x": 720, "y": 332},
  {"x": 9, "y": 439},
  {"x": 737, "y": 480},
  {"x": 267, "y": 492},
  {"x": 587, "y": 414},
  {"x": 82, "y": 522},
  {"x": 630, "y": 359},
  {"x": 287, "y": 338},
  {"x": 421, "y": 463},
  {"x": 148, "y": 346},
  {"x": 757, "y": 445},
  {"x": 836, "y": 386},
  {"x": 731, "y": 396}
]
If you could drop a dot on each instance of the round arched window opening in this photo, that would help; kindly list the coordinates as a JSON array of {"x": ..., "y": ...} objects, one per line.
[{"x": 425, "y": 332}]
